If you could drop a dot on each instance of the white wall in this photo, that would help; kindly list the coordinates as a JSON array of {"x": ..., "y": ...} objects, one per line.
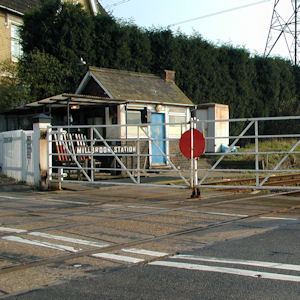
[
  {"x": 216, "y": 133},
  {"x": 221, "y": 128},
  {"x": 17, "y": 155}
]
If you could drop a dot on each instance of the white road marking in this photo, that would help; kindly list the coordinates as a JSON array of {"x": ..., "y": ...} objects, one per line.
[
  {"x": 65, "y": 201},
  {"x": 235, "y": 215},
  {"x": 214, "y": 213},
  {"x": 147, "y": 207},
  {"x": 263, "y": 264},
  {"x": 250, "y": 198},
  {"x": 39, "y": 243},
  {"x": 145, "y": 252},
  {"x": 67, "y": 239},
  {"x": 118, "y": 257},
  {"x": 7, "y": 229},
  {"x": 240, "y": 272},
  {"x": 45, "y": 199},
  {"x": 111, "y": 205},
  {"x": 13, "y": 198},
  {"x": 278, "y": 218}
]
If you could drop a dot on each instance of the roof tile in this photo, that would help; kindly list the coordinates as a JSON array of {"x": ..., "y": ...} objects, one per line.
[
  {"x": 139, "y": 86},
  {"x": 21, "y": 6}
]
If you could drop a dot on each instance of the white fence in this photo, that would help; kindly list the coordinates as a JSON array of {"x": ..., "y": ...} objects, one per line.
[
  {"x": 17, "y": 155},
  {"x": 88, "y": 154},
  {"x": 279, "y": 158},
  {"x": 84, "y": 157}
]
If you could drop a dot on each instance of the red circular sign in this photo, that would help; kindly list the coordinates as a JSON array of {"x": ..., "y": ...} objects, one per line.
[{"x": 186, "y": 142}]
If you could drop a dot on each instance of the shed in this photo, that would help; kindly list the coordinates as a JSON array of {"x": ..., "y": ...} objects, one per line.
[
  {"x": 148, "y": 99},
  {"x": 117, "y": 97},
  {"x": 216, "y": 130}
]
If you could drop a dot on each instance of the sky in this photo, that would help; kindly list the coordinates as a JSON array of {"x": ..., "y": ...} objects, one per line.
[{"x": 244, "y": 27}]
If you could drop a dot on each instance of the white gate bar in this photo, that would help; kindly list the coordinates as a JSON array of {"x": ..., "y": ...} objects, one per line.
[
  {"x": 259, "y": 176},
  {"x": 281, "y": 161},
  {"x": 73, "y": 156},
  {"x": 250, "y": 187},
  {"x": 255, "y": 119},
  {"x": 167, "y": 157},
  {"x": 228, "y": 150},
  {"x": 251, "y": 153},
  {"x": 106, "y": 182},
  {"x": 115, "y": 156},
  {"x": 249, "y": 171}
]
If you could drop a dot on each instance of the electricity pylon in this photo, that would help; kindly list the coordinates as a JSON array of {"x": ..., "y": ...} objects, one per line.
[{"x": 284, "y": 31}]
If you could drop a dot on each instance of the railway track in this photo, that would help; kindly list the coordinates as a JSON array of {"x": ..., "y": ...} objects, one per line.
[
  {"x": 78, "y": 207},
  {"x": 118, "y": 246},
  {"x": 281, "y": 181},
  {"x": 273, "y": 180},
  {"x": 98, "y": 204}
]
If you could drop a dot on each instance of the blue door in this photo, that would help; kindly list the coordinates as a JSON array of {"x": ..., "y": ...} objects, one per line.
[{"x": 158, "y": 134}]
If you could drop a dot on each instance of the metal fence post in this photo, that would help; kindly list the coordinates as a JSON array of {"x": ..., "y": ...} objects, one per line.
[
  {"x": 138, "y": 156},
  {"x": 192, "y": 154},
  {"x": 256, "y": 153},
  {"x": 194, "y": 164},
  {"x": 92, "y": 156},
  {"x": 60, "y": 170},
  {"x": 49, "y": 141}
]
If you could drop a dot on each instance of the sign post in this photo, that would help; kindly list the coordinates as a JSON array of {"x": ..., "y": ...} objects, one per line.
[{"x": 192, "y": 145}]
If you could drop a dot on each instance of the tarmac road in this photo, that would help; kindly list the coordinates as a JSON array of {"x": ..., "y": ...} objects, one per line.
[
  {"x": 147, "y": 243},
  {"x": 163, "y": 282}
]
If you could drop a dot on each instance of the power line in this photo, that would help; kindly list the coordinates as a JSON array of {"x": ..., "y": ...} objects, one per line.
[
  {"x": 219, "y": 12},
  {"x": 118, "y": 3}
]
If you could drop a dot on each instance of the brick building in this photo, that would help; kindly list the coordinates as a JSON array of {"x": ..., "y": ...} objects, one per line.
[
  {"x": 116, "y": 97},
  {"x": 11, "y": 17},
  {"x": 149, "y": 99}
]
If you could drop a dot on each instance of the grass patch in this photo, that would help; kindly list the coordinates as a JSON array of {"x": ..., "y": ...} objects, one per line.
[
  {"x": 269, "y": 160},
  {"x": 5, "y": 179}
]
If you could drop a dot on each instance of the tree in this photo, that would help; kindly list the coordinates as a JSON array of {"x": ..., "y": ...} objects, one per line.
[
  {"x": 43, "y": 75},
  {"x": 57, "y": 35},
  {"x": 237, "y": 78},
  {"x": 64, "y": 31},
  {"x": 163, "y": 50},
  {"x": 268, "y": 84},
  {"x": 140, "y": 50},
  {"x": 195, "y": 65},
  {"x": 110, "y": 44},
  {"x": 12, "y": 90},
  {"x": 124, "y": 47}
]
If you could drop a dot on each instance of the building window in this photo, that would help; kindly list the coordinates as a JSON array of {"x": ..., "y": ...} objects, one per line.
[
  {"x": 16, "y": 48},
  {"x": 176, "y": 130},
  {"x": 134, "y": 117}
]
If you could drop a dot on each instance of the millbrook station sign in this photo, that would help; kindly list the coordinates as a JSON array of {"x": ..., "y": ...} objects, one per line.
[{"x": 104, "y": 149}]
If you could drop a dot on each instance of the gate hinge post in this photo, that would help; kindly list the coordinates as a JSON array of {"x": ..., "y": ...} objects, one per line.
[{"x": 196, "y": 193}]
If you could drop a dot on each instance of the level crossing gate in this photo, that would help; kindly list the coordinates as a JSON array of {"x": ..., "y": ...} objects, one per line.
[{"x": 137, "y": 155}]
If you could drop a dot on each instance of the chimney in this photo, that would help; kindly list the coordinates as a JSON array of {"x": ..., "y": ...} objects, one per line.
[{"x": 169, "y": 76}]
